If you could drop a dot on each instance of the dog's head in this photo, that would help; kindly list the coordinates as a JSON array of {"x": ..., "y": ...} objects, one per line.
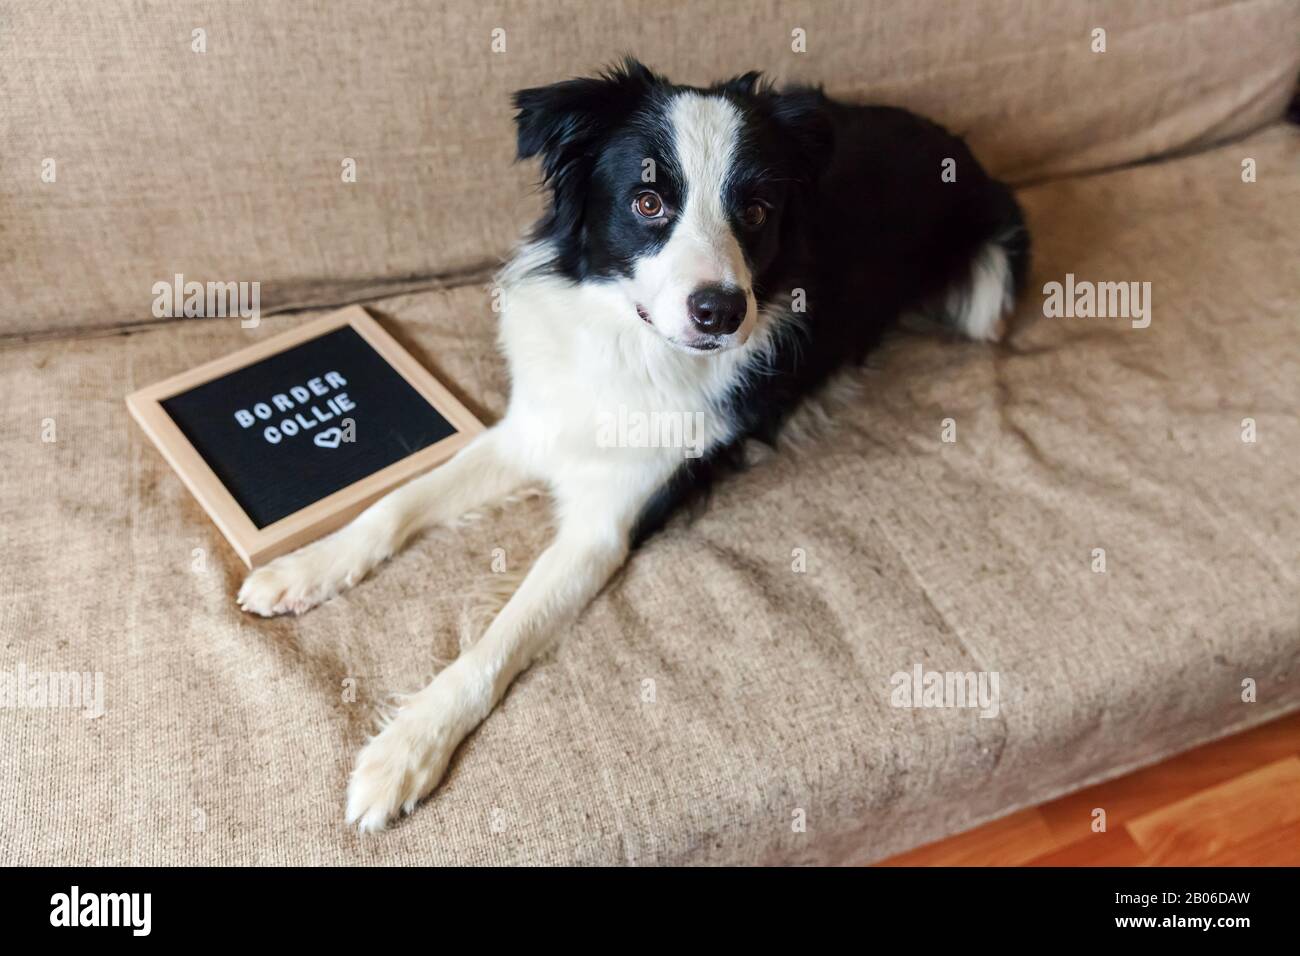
[{"x": 681, "y": 198}]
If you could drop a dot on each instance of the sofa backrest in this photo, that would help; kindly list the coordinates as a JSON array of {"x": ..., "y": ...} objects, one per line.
[{"x": 215, "y": 140}]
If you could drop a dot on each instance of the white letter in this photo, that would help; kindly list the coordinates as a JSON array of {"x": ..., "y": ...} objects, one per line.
[
  {"x": 1141, "y": 312},
  {"x": 59, "y": 915}
]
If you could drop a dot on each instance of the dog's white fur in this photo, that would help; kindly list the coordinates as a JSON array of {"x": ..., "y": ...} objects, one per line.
[
  {"x": 573, "y": 350},
  {"x": 979, "y": 307}
]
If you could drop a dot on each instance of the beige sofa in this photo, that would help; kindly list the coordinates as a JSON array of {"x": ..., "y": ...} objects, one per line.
[{"x": 217, "y": 155}]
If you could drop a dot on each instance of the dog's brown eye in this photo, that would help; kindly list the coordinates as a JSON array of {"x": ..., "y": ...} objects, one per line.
[
  {"x": 648, "y": 206},
  {"x": 754, "y": 215}
]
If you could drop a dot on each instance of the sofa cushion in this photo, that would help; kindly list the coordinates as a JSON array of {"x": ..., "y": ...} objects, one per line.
[
  {"x": 228, "y": 165},
  {"x": 713, "y": 695}
]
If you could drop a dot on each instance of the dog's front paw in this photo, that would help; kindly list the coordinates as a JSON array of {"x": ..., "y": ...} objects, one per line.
[
  {"x": 403, "y": 764},
  {"x": 299, "y": 581}
]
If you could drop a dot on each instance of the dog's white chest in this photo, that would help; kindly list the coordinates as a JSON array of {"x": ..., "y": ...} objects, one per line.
[{"x": 592, "y": 392}]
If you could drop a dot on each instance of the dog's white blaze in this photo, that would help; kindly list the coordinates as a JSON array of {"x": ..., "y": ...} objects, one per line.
[
  {"x": 702, "y": 248},
  {"x": 705, "y": 134}
]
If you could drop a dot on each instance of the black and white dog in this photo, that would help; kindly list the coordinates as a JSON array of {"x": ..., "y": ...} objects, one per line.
[{"x": 714, "y": 253}]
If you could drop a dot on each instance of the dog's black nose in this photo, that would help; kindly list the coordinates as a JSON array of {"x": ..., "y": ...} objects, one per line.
[{"x": 717, "y": 309}]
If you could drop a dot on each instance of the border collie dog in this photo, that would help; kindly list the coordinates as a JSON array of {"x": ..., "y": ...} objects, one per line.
[{"x": 709, "y": 253}]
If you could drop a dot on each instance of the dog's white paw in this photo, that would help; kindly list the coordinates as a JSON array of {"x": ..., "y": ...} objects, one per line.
[
  {"x": 299, "y": 581},
  {"x": 405, "y": 761}
]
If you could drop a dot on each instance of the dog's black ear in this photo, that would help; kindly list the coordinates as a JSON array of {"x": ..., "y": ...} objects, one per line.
[
  {"x": 561, "y": 122},
  {"x": 803, "y": 114},
  {"x": 744, "y": 85}
]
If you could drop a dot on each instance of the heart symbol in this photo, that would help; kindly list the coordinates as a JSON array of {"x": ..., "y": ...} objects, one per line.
[{"x": 329, "y": 438}]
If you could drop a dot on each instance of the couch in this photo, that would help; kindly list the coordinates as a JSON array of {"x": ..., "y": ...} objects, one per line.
[{"x": 1113, "y": 529}]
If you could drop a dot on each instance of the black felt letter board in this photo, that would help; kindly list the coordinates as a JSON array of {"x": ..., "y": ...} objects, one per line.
[{"x": 275, "y": 432}]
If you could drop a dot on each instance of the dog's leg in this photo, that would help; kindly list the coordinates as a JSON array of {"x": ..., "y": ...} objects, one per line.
[
  {"x": 405, "y": 761},
  {"x": 481, "y": 472}
]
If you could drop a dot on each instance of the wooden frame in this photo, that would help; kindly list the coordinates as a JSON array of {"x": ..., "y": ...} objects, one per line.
[{"x": 256, "y": 546}]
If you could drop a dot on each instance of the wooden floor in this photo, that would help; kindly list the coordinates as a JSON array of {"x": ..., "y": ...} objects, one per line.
[{"x": 1234, "y": 802}]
